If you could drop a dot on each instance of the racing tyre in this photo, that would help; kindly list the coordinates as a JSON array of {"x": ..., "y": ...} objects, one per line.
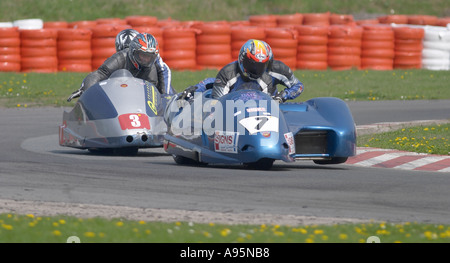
[
  {"x": 261, "y": 164},
  {"x": 335, "y": 160},
  {"x": 186, "y": 161},
  {"x": 126, "y": 151}
]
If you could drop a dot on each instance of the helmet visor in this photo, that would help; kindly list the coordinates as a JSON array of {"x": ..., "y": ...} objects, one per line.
[
  {"x": 253, "y": 69},
  {"x": 145, "y": 59}
]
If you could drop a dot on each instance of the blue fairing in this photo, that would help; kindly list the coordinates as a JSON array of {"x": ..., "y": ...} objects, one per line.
[
  {"x": 249, "y": 147},
  {"x": 324, "y": 114},
  {"x": 319, "y": 129}
]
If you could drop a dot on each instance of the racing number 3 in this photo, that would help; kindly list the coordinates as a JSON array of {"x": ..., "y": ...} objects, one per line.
[{"x": 134, "y": 121}]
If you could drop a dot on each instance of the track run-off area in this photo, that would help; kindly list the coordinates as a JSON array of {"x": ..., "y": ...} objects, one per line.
[{"x": 39, "y": 176}]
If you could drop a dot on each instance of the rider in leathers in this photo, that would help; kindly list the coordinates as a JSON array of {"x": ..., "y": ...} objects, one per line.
[
  {"x": 280, "y": 73},
  {"x": 283, "y": 75},
  {"x": 154, "y": 71},
  {"x": 251, "y": 66}
]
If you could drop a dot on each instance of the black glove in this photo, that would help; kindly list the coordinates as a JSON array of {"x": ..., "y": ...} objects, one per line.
[
  {"x": 75, "y": 94},
  {"x": 188, "y": 93}
]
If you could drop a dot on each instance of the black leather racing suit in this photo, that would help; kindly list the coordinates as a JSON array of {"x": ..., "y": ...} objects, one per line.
[
  {"x": 283, "y": 75},
  {"x": 158, "y": 74},
  {"x": 230, "y": 76}
]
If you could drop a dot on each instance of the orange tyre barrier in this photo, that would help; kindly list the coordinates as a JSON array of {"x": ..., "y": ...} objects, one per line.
[
  {"x": 362, "y": 22},
  {"x": 9, "y": 49},
  {"x": 312, "y": 49},
  {"x": 283, "y": 42},
  {"x": 239, "y": 23},
  {"x": 240, "y": 35},
  {"x": 106, "y": 35},
  {"x": 10, "y": 58},
  {"x": 39, "y": 50},
  {"x": 213, "y": 44},
  {"x": 289, "y": 20},
  {"x": 443, "y": 21},
  {"x": 9, "y": 42},
  {"x": 39, "y": 64},
  {"x": 408, "y": 47},
  {"x": 169, "y": 22},
  {"x": 9, "y": 66},
  {"x": 56, "y": 24},
  {"x": 344, "y": 47},
  {"x": 74, "y": 50},
  {"x": 316, "y": 19},
  {"x": 263, "y": 21},
  {"x": 185, "y": 45},
  {"x": 376, "y": 63},
  {"x": 141, "y": 21},
  {"x": 377, "y": 47},
  {"x": 111, "y": 21},
  {"x": 397, "y": 19},
  {"x": 83, "y": 24},
  {"x": 301, "y": 40},
  {"x": 422, "y": 20},
  {"x": 312, "y": 64},
  {"x": 339, "y": 19}
]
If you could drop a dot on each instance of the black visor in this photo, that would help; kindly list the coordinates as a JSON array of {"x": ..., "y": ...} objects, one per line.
[
  {"x": 254, "y": 69},
  {"x": 145, "y": 59}
]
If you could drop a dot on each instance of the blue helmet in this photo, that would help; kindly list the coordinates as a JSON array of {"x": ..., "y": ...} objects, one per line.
[{"x": 254, "y": 58}]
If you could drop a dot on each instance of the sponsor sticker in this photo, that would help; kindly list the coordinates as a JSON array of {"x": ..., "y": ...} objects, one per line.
[
  {"x": 226, "y": 141},
  {"x": 290, "y": 141},
  {"x": 152, "y": 100},
  {"x": 256, "y": 109}
]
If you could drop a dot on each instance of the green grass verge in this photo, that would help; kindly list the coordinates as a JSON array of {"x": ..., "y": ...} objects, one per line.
[
  {"x": 433, "y": 139},
  {"x": 56, "y": 229},
  {"x": 34, "y": 89}
]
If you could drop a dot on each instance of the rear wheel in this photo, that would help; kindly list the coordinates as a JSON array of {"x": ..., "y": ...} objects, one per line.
[
  {"x": 101, "y": 151},
  {"x": 127, "y": 151},
  {"x": 261, "y": 164},
  {"x": 334, "y": 160}
]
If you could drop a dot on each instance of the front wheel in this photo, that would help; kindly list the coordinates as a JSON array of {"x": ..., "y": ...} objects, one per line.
[
  {"x": 186, "y": 161},
  {"x": 334, "y": 160},
  {"x": 261, "y": 164}
]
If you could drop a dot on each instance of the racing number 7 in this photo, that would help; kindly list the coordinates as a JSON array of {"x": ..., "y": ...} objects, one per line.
[
  {"x": 262, "y": 120},
  {"x": 256, "y": 124}
]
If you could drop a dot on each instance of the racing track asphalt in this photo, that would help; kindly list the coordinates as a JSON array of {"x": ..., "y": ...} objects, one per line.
[{"x": 33, "y": 167}]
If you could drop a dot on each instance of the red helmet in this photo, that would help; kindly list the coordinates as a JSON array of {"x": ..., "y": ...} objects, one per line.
[
  {"x": 254, "y": 58},
  {"x": 143, "y": 50}
]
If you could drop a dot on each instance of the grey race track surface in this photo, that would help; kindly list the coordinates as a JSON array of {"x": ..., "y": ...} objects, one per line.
[{"x": 33, "y": 167}]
